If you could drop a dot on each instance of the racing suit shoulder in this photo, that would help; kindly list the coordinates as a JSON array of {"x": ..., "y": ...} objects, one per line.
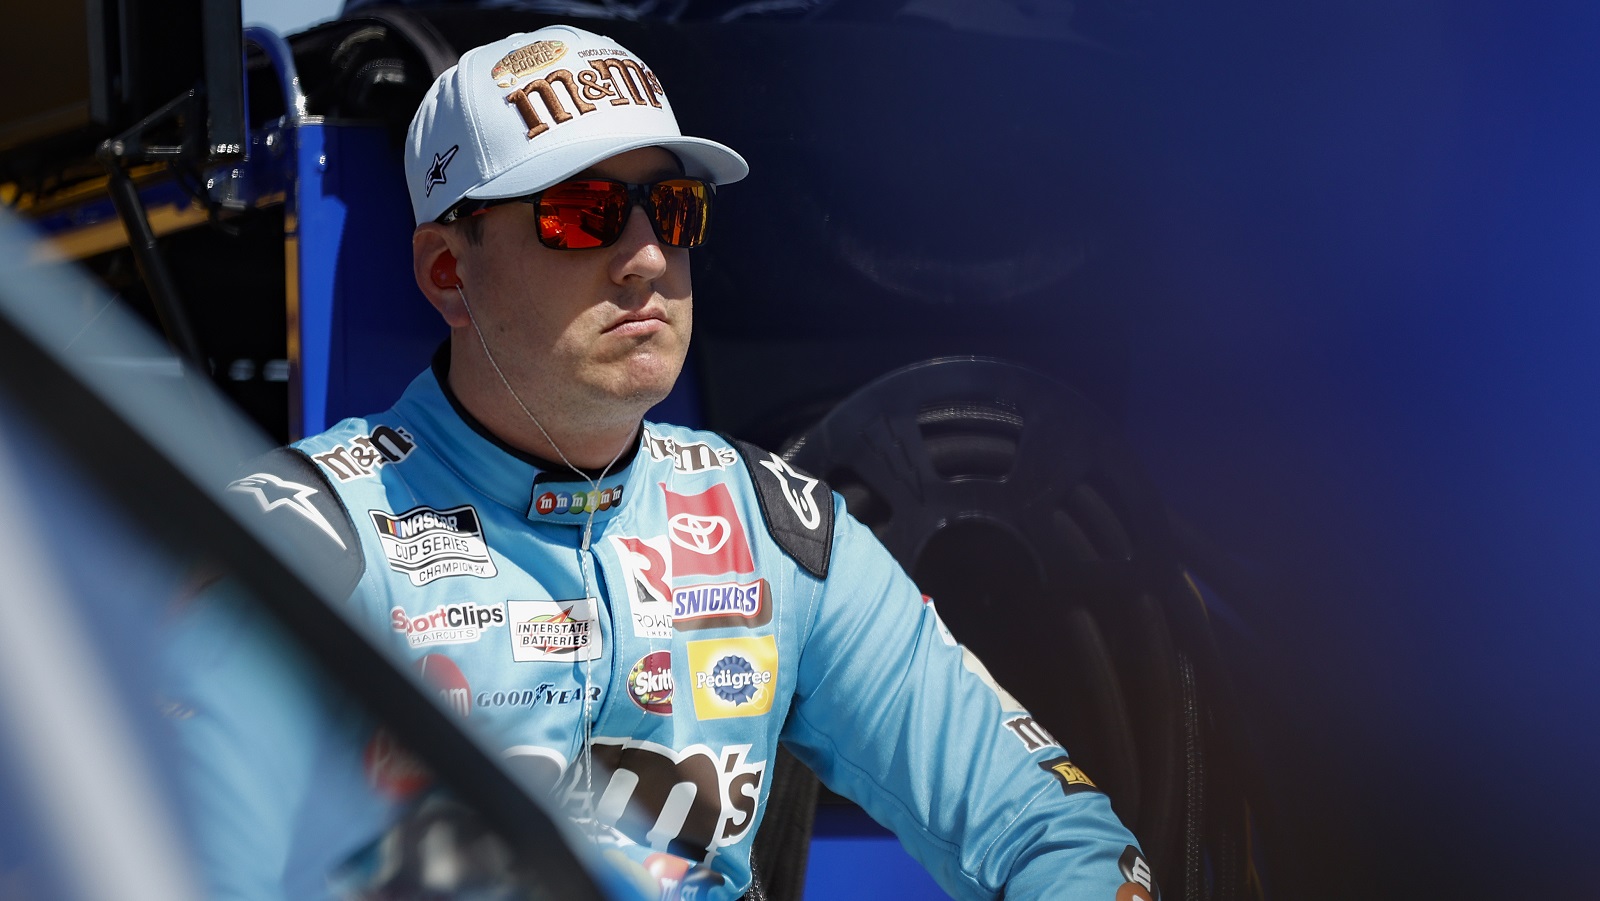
[
  {"x": 294, "y": 499},
  {"x": 797, "y": 508},
  {"x": 356, "y": 448}
]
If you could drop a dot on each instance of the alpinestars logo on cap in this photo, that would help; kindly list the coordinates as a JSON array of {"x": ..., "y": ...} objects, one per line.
[{"x": 436, "y": 171}]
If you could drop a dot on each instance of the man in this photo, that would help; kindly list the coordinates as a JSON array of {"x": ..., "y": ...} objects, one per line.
[{"x": 638, "y": 613}]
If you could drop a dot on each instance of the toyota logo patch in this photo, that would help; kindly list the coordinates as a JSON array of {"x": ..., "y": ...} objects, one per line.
[{"x": 700, "y": 534}]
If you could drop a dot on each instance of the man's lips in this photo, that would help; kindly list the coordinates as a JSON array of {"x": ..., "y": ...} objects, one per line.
[{"x": 641, "y": 323}]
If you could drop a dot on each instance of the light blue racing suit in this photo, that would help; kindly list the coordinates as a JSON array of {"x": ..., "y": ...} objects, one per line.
[{"x": 694, "y": 608}]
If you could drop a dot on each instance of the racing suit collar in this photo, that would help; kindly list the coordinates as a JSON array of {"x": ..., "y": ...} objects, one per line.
[{"x": 544, "y": 490}]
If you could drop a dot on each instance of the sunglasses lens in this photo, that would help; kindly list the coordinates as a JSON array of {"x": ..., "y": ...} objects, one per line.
[
  {"x": 577, "y": 215},
  {"x": 682, "y": 211}
]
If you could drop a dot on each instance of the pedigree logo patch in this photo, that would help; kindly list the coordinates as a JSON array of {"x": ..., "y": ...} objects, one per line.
[
  {"x": 525, "y": 61},
  {"x": 733, "y": 677}
]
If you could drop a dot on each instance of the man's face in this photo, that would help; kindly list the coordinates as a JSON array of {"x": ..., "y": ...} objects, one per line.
[{"x": 590, "y": 329}]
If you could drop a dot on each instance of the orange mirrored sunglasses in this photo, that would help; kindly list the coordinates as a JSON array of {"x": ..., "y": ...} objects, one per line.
[{"x": 586, "y": 213}]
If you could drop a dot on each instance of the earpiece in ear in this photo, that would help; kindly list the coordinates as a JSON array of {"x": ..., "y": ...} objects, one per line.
[{"x": 444, "y": 271}]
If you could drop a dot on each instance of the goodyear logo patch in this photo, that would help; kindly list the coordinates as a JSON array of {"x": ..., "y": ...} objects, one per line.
[{"x": 733, "y": 677}]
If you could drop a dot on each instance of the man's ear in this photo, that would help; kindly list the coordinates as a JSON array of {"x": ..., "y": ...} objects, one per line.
[{"x": 433, "y": 264}]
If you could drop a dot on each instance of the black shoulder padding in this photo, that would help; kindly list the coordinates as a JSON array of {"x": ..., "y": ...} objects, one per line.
[
  {"x": 284, "y": 490},
  {"x": 798, "y": 508}
]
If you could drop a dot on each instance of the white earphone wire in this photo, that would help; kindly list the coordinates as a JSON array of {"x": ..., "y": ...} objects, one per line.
[{"x": 590, "y": 589}]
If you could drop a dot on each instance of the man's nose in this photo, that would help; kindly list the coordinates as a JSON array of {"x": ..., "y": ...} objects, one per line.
[{"x": 638, "y": 253}]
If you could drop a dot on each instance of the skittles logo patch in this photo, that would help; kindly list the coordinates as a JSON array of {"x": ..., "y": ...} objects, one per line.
[{"x": 650, "y": 683}]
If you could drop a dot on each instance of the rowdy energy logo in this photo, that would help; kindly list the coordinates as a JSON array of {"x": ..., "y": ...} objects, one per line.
[
  {"x": 616, "y": 78},
  {"x": 733, "y": 677},
  {"x": 645, "y": 579},
  {"x": 460, "y": 623},
  {"x": 650, "y": 683},
  {"x": 725, "y": 604},
  {"x": 553, "y": 630},
  {"x": 694, "y": 457},
  {"x": 363, "y": 456},
  {"x": 707, "y": 537},
  {"x": 428, "y": 544}
]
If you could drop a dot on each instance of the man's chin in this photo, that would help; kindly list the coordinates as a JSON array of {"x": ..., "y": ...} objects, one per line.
[{"x": 643, "y": 381}]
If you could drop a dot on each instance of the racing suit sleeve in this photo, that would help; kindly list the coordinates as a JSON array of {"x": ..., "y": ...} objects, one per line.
[
  {"x": 242, "y": 714},
  {"x": 272, "y": 771},
  {"x": 890, "y": 712},
  {"x": 270, "y": 754}
]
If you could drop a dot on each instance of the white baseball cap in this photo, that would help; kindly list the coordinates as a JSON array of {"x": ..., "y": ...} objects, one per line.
[{"x": 518, "y": 115}]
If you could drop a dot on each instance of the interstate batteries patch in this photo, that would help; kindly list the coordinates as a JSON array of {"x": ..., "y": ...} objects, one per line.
[
  {"x": 428, "y": 544},
  {"x": 562, "y": 631}
]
